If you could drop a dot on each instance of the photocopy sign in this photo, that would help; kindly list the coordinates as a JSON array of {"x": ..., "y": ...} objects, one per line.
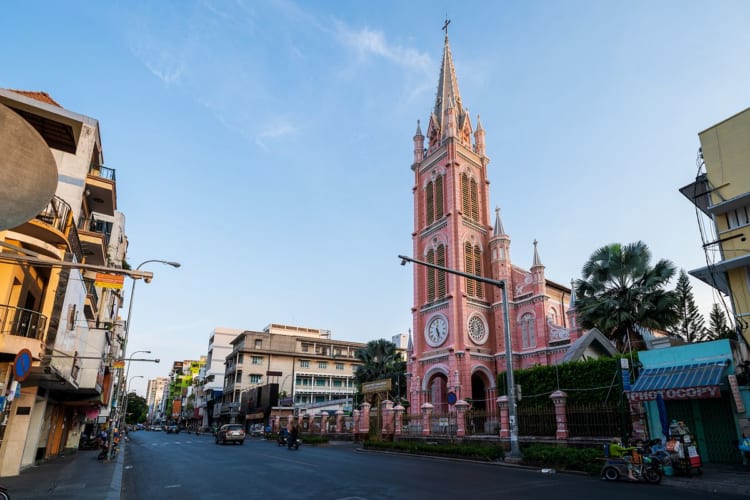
[{"x": 703, "y": 392}]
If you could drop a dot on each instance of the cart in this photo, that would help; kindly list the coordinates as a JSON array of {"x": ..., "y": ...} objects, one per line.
[{"x": 683, "y": 451}]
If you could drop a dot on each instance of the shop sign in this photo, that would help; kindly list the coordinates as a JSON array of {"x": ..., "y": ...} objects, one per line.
[
  {"x": 736, "y": 393},
  {"x": 704, "y": 392}
]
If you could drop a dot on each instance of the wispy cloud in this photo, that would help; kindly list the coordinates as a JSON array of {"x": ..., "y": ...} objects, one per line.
[
  {"x": 274, "y": 132},
  {"x": 372, "y": 42}
]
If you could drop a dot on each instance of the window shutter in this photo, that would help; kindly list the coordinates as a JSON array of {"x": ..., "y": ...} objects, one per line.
[
  {"x": 478, "y": 271},
  {"x": 474, "y": 201},
  {"x": 465, "y": 205},
  {"x": 439, "y": 197},
  {"x": 441, "y": 285},
  {"x": 469, "y": 268},
  {"x": 429, "y": 202}
]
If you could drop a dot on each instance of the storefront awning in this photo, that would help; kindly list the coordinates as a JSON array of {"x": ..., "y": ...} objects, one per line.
[{"x": 696, "y": 381}]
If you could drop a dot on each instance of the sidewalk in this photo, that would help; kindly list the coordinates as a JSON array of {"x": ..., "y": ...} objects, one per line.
[
  {"x": 76, "y": 476},
  {"x": 733, "y": 479}
]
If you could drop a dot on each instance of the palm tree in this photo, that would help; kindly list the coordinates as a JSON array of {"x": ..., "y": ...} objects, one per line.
[
  {"x": 620, "y": 293},
  {"x": 381, "y": 360}
]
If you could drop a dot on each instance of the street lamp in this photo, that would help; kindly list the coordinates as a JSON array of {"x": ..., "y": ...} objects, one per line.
[
  {"x": 515, "y": 449},
  {"x": 127, "y": 372}
]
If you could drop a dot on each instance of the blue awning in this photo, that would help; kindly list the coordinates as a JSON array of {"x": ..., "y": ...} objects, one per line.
[{"x": 696, "y": 381}]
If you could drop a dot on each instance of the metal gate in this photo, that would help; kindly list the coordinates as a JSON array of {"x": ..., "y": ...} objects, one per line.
[{"x": 713, "y": 425}]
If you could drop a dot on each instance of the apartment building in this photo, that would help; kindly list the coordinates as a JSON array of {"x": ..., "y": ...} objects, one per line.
[
  {"x": 211, "y": 383},
  {"x": 307, "y": 364},
  {"x": 154, "y": 396},
  {"x": 51, "y": 309},
  {"x": 721, "y": 191}
]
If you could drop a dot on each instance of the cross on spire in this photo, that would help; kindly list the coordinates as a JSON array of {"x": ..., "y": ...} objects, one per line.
[{"x": 445, "y": 25}]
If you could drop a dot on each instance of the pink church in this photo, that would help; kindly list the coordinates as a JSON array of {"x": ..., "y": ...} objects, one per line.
[{"x": 458, "y": 338}]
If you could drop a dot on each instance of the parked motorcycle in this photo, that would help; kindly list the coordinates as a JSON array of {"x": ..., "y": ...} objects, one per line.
[{"x": 649, "y": 470}]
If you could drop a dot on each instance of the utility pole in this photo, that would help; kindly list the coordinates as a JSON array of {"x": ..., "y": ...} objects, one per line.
[{"x": 515, "y": 449}]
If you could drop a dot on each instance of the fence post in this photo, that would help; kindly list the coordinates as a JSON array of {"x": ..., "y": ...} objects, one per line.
[
  {"x": 399, "y": 419},
  {"x": 461, "y": 407},
  {"x": 426, "y": 413},
  {"x": 324, "y": 422},
  {"x": 289, "y": 421},
  {"x": 386, "y": 409},
  {"x": 364, "y": 421},
  {"x": 502, "y": 405},
  {"x": 339, "y": 420},
  {"x": 559, "y": 398},
  {"x": 356, "y": 417}
]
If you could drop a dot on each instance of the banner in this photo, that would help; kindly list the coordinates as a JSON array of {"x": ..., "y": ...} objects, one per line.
[{"x": 106, "y": 280}]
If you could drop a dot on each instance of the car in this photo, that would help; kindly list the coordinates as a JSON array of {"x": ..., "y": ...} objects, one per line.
[
  {"x": 173, "y": 429},
  {"x": 156, "y": 428},
  {"x": 230, "y": 433},
  {"x": 256, "y": 430}
]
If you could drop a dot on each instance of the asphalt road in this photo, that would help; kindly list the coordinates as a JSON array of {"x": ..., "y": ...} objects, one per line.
[{"x": 184, "y": 466}]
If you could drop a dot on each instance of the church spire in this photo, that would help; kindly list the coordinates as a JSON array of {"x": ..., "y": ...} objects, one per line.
[
  {"x": 498, "y": 229},
  {"x": 447, "y": 91},
  {"x": 572, "y": 304},
  {"x": 537, "y": 261}
]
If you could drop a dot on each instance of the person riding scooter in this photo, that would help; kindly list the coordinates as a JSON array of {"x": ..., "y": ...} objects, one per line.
[{"x": 617, "y": 450}]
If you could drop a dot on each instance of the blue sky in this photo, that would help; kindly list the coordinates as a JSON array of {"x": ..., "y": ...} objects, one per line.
[{"x": 266, "y": 145}]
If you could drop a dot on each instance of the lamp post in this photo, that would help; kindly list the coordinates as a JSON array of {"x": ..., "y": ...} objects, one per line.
[
  {"x": 124, "y": 403},
  {"x": 515, "y": 449},
  {"x": 127, "y": 325}
]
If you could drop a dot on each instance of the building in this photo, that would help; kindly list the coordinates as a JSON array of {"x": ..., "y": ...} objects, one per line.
[
  {"x": 458, "y": 325},
  {"x": 307, "y": 365},
  {"x": 219, "y": 347},
  {"x": 722, "y": 192},
  {"x": 154, "y": 396},
  {"x": 52, "y": 305}
]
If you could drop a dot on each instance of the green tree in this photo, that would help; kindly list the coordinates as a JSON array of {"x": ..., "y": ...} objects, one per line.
[
  {"x": 691, "y": 325},
  {"x": 718, "y": 327},
  {"x": 137, "y": 409},
  {"x": 620, "y": 293},
  {"x": 381, "y": 360}
]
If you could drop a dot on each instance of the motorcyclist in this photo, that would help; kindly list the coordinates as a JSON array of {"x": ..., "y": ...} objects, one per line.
[{"x": 617, "y": 450}]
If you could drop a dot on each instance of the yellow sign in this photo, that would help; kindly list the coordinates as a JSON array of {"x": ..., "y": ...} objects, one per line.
[
  {"x": 376, "y": 386},
  {"x": 105, "y": 280},
  {"x": 119, "y": 364}
]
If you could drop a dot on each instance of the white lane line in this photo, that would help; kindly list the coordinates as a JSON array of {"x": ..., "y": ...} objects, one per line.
[{"x": 173, "y": 486}]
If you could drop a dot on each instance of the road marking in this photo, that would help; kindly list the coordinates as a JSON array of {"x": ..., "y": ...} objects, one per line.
[{"x": 173, "y": 486}]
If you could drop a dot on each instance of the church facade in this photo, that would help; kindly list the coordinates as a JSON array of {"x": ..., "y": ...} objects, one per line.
[{"x": 457, "y": 345}]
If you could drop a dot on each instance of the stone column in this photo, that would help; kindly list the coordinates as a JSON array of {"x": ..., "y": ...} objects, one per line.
[
  {"x": 398, "y": 419},
  {"x": 559, "y": 398},
  {"x": 461, "y": 407},
  {"x": 356, "y": 417},
  {"x": 324, "y": 422},
  {"x": 386, "y": 408},
  {"x": 277, "y": 423},
  {"x": 426, "y": 414},
  {"x": 339, "y": 421},
  {"x": 301, "y": 420},
  {"x": 364, "y": 422},
  {"x": 502, "y": 405},
  {"x": 289, "y": 421}
]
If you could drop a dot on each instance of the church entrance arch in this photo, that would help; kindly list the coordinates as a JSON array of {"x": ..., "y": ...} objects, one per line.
[
  {"x": 478, "y": 391},
  {"x": 437, "y": 390}
]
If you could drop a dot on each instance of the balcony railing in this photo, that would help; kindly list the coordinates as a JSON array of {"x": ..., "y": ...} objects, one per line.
[
  {"x": 21, "y": 322},
  {"x": 91, "y": 292},
  {"x": 93, "y": 225},
  {"x": 57, "y": 214},
  {"x": 103, "y": 172}
]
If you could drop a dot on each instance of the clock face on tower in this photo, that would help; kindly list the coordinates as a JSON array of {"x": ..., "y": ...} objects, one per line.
[
  {"x": 477, "y": 329},
  {"x": 436, "y": 331}
]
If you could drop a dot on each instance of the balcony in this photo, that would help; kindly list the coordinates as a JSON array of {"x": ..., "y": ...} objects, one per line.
[
  {"x": 94, "y": 235},
  {"x": 91, "y": 305},
  {"x": 53, "y": 225},
  {"x": 101, "y": 192},
  {"x": 21, "y": 329}
]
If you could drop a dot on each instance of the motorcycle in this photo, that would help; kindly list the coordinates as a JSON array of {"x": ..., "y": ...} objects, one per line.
[
  {"x": 283, "y": 440},
  {"x": 649, "y": 470}
]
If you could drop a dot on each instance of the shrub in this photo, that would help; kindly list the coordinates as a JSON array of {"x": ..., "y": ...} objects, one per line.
[
  {"x": 314, "y": 439},
  {"x": 471, "y": 451},
  {"x": 561, "y": 458}
]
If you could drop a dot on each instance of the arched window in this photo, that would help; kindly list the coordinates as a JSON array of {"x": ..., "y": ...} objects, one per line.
[
  {"x": 528, "y": 332},
  {"x": 552, "y": 317},
  {"x": 474, "y": 200},
  {"x": 436, "y": 284},
  {"x": 430, "y": 204},
  {"x": 465, "y": 200},
  {"x": 473, "y": 265},
  {"x": 434, "y": 200}
]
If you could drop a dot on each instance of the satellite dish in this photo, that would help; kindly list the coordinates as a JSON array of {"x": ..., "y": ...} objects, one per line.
[{"x": 28, "y": 172}]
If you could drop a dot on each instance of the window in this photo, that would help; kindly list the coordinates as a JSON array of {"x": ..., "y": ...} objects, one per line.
[
  {"x": 338, "y": 383},
  {"x": 339, "y": 366},
  {"x": 305, "y": 347},
  {"x": 436, "y": 282},
  {"x": 304, "y": 363},
  {"x": 430, "y": 202},
  {"x": 257, "y": 360},
  {"x": 552, "y": 316},
  {"x": 304, "y": 381},
  {"x": 240, "y": 358},
  {"x": 434, "y": 200},
  {"x": 528, "y": 333},
  {"x": 258, "y": 343},
  {"x": 320, "y": 382},
  {"x": 469, "y": 197},
  {"x": 256, "y": 379},
  {"x": 322, "y": 364},
  {"x": 738, "y": 217},
  {"x": 473, "y": 265}
]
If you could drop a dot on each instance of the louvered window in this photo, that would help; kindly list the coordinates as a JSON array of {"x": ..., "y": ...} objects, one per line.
[
  {"x": 465, "y": 200},
  {"x": 442, "y": 286},
  {"x": 469, "y": 268},
  {"x": 439, "y": 197},
  {"x": 431, "y": 276},
  {"x": 478, "y": 271},
  {"x": 474, "y": 200},
  {"x": 430, "y": 204}
]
